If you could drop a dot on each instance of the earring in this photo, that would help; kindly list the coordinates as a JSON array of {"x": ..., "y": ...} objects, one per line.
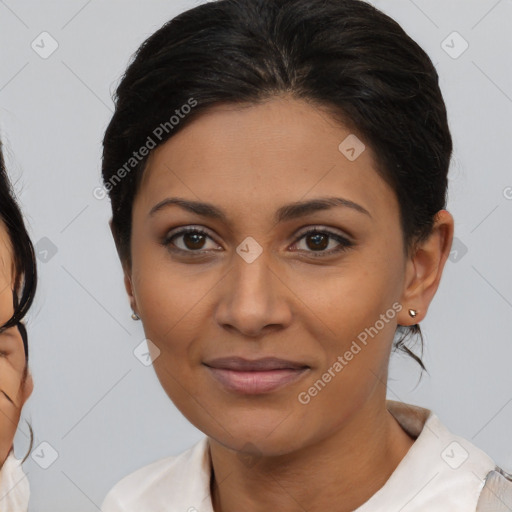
[
  {"x": 135, "y": 316},
  {"x": 412, "y": 312}
]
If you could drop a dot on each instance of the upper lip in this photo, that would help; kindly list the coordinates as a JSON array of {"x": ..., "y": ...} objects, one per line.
[{"x": 263, "y": 364}]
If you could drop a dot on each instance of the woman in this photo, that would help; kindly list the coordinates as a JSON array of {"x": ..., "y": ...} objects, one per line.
[
  {"x": 278, "y": 174},
  {"x": 17, "y": 289}
]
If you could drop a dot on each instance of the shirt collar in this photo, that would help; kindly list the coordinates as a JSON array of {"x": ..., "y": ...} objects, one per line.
[
  {"x": 14, "y": 486},
  {"x": 440, "y": 472}
]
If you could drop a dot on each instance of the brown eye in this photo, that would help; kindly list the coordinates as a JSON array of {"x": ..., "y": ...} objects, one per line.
[
  {"x": 193, "y": 240},
  {"x": 317, "y": 241}
]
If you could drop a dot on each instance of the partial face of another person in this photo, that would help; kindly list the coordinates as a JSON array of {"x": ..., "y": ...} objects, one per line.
[
  {"x": 14, "y": 389},
  {"x": 252, "y": 281}
]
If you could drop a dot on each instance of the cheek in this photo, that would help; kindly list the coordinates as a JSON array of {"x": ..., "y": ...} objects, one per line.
[
  {"x": 354, "y": 322},
  {"x": 355, "y": 335},
  {"x": 10, "y": 378},
  {"x": 172, "y": 304},
  {"x": 339, "y": 304},
  {"x": 9, "y": 418}
]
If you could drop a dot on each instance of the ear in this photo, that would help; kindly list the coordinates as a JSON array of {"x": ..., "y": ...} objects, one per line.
[
  {"x": 28, "y": 387},
  {"x": 424, "y": 269},
  {"x": 129, "y": 289}
]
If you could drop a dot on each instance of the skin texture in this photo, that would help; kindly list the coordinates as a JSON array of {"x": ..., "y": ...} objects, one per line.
[
  {"x": 269, "y": 451},
  {"x": 13, "y": 391}
]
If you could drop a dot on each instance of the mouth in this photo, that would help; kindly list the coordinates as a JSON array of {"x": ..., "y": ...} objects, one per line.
[{"x": 252, "y": 377}]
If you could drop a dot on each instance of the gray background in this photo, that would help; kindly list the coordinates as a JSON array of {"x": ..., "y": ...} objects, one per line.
[{"x": 95, "y": 404}]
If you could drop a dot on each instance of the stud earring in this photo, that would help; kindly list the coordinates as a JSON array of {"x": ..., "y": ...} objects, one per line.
[
  {"x": 413, "y": 312},
  {"x": 135, "y": 316}
]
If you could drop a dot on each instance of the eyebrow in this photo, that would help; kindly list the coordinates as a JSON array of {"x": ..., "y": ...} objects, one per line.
[{"x": 285, "y": 213}]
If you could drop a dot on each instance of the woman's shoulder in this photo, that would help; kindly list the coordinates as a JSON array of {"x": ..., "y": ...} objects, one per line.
[
  {"x": 14, "y": 486},
  {"x": 170, "y": 480},
  {"x": 496, "y": 495},
  {"x": 443, "y": 471}
]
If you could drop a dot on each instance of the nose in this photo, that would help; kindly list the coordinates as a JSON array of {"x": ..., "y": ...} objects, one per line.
[{"x": 254, "y": 299}]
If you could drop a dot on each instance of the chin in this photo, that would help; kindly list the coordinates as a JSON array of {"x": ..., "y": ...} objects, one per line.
[{"x": 263, "y": 434}]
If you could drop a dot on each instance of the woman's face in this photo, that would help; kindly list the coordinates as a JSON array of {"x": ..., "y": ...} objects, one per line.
[
  {"x": 253, "y": 286},
  {"x": 13, "y": 391}
]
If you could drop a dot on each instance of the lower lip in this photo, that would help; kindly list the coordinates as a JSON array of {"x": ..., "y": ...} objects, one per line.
[{"x": 256, "y": 382}]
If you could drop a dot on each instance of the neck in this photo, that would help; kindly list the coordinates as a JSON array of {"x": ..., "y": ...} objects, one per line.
[{"x": 367, "y": 449}]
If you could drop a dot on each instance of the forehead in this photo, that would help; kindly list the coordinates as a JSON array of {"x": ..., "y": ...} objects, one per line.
[{"x": 260, "y": 156}]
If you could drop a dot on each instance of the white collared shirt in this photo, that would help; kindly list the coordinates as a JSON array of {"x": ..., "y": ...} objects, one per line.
[
  {"x": 441, "y": 472},
  {"x": 14, "y": 486}
]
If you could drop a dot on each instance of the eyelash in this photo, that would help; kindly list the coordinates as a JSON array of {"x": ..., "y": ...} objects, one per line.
[{"x": 345, "y": 244}]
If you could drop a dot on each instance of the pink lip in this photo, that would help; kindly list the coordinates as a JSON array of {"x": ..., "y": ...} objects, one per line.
[{"x": 257, "y": 376}]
